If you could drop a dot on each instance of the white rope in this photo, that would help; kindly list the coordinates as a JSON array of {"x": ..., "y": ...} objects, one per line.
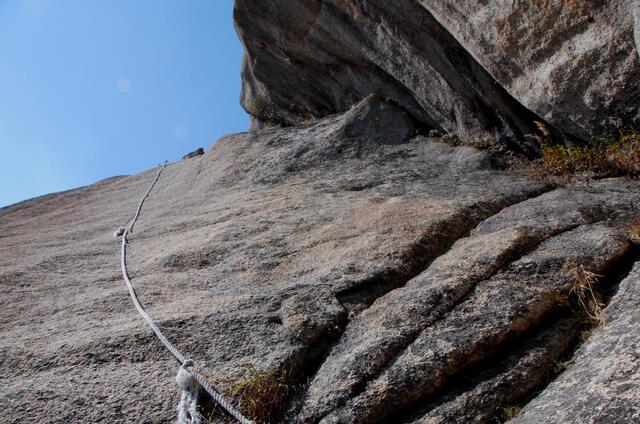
[
  {"x": 188, "y": 378},
  {"x": 188, "y": 407}
]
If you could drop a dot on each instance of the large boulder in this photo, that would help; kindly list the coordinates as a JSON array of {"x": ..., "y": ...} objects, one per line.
[
  {"x": 477, "y": 70},
  {"x": 308, "y": 59}
]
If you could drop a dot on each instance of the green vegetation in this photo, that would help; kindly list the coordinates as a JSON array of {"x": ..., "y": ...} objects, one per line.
[{"x": 561, "y": 366}]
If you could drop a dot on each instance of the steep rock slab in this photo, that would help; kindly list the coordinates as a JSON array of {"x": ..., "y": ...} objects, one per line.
[
  {"x": 440, "y": 279},
  {"x": 255, "y": 252},
  {"x": 602, "y": 383},
  {"x": 453, "y": 65},
  {"x": 308, "y": 59},
  {"x": 411, "y": 343}
]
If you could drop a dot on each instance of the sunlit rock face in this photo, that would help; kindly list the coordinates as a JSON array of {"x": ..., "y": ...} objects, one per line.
[
  {"x": 378, "y": 273},
  {"x": 389, "y": 276},
  {"x": 574, "y": 63},
  {"x": 474, "y": 69}
]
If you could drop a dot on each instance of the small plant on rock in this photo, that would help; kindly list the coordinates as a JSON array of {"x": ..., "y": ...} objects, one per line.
[
  {"x": 634, "y": 232},
  {"x": 613, "y": 157},
  {"x": 261, "y": 394},
  {"x": 583, "y": 289},
  {"x": 561, "y": 366},
  {"x": 479, "y": 143},
  {"x": 506, "y": 413}
]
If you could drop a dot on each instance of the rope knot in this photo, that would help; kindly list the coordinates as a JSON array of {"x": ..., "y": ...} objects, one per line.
[
  {"x": 118, "y": 232},
  {"x": 188, "y": 407},
  {"x": 186, "y": 380}
]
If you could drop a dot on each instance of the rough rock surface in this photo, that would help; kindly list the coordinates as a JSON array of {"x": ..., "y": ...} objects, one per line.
[
  {"x": 309, "y": 59},
  {"x": 463, "y": 67},
  {"x": 603, "y": 381},
  {"x": 574, "y": 63},
  {"x": 397, "y": 278},
  {"x": 508, "y": 277}
]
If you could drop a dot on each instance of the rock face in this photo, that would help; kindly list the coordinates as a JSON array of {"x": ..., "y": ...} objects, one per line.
[
  {"x": 574, "y": 63},
  {"x": 393, "y": 278},
  {"x": 476, "y": 70},
  {"x": 505, "y": 279},
  {"x": 601, "y": 384}
]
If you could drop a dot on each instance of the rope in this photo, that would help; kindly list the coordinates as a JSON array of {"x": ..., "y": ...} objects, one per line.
[
  {"x": 188, "y": 406},
  {"x": 186, "y": 374}
]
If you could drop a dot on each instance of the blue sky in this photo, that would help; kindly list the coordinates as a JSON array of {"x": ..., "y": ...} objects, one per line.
[{"x": 90, "y": 89}]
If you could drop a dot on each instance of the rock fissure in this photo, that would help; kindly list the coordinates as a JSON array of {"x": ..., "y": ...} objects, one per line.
[
  {"x": 605, "y": 288},
  {"x": 458, "y": 299},
  {"x": 554, "y": 334},
  {"x": 423, "y": 252},
  {"x": 366, "y": 358},
  {"x": 562, "y": 328},
  {"x": 382, "y": 282}
]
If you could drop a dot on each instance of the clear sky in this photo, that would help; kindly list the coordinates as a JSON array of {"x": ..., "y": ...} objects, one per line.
[{"x": 91, "y": 89}]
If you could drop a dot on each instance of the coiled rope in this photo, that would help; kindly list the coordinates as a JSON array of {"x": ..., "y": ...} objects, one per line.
[{"x": 187, "y": 376}]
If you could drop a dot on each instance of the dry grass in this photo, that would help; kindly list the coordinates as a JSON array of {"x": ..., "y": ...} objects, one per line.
[
  {"x": 634, "y": 231},
  {"x": 561, "y": 366},
  {"x": 452, "y": 140},
  {"x": 583, "y": 290},
  {"x": 506, "y": 413},
  {"x": 261, "y": 394},
  {"x": 561, "y": 164}
]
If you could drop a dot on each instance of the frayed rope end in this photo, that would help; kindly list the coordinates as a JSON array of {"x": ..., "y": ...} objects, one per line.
[{"x": 188, "y": 407}]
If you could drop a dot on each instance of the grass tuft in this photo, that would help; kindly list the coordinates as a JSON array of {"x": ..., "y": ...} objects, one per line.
[
  {"x": 634, "y": 232},
  {"x": 506, "y": 413},
  {"x": 453, "y": 140},
  {"x": 583, "y": 289},
  {"x": 561, "y": 366},
  {"x": 261, "y": 394},
  {"x": 607, "y": 158}
]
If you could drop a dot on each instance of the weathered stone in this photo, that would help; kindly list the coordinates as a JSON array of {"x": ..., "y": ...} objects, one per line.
[
  {"x": 391, "y": 356},
  {"x": 380, "y": 267},
  {"x": 463, "y": 67},
  {"x": 492, "y": 393},
  {"x": 636, "y": 24},
  {"x": 310, "y": 59},
  {"x": 602, "y": 383},
  {"x": 574, "y": 63},
  {"x": 239, "y": 255}
]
